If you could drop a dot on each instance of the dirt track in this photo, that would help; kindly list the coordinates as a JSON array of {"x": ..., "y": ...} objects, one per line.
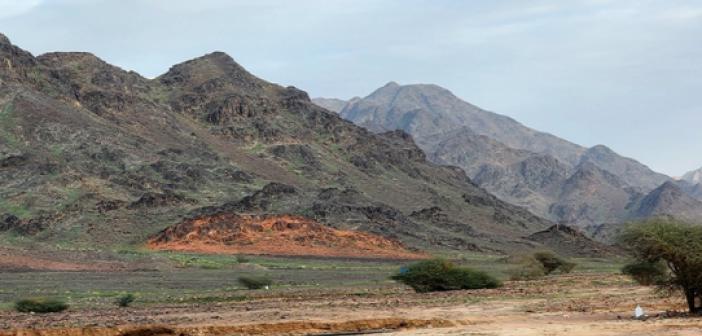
[{"x": 576, "y": 305}]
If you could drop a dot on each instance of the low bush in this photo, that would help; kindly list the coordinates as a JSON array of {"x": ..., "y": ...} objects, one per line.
[
  {"x": 527, "y": 268},
  {"x": 255, "y": 282},
  {"x": 442, "y": 275},
  {"x": 40, "y": 305},
  {"x": 125, "y": 300},
  {"x": 552, "y": 262},
  {"x": 646, "y": 273}
]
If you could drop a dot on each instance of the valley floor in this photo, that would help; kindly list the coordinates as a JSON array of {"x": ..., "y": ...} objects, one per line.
[{"x": 323, "y": 297}]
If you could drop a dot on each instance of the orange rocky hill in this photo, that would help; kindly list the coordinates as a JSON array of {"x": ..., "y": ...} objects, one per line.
[{"x": 283, "y": 235}]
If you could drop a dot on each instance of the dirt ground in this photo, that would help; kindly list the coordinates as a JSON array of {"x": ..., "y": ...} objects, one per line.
[{"x": 574, "y": 305}]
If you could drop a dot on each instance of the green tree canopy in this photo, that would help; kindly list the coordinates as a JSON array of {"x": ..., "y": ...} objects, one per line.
[{"x": 678, "y": 245}]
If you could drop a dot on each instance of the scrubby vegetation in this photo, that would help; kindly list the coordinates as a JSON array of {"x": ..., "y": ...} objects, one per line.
[
  {"x": 527, "y": 268},
  {"x": 40, "y": 305},
  {"x": 675, "y": 243},
  {"x": 553, "y": 262},
  {"x": 125, "y": 300},
  {"x": 539, "y": 264},
  {"x": 255, "y": 282},
  {"x": 646, "y": 273},
  {"x": 442, "y": 275}
]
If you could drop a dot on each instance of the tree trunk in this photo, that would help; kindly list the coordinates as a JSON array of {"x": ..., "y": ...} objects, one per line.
[{"x": 690, "y": 295}]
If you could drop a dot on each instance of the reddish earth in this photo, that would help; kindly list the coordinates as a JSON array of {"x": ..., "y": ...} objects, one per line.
[
  {"x": 275, "y": 235},
  {"x": 284, "y": 328},
  {"x": 17, "y": 260}
]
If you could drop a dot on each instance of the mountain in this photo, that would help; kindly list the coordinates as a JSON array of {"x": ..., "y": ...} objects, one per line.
[
  {"x": 429, "y": 110},
  {"x": 331, "y": 104},
  {"x": 630, "y": 171},
  {"x": 592, "y": 195},
  {"x": 694, "y": 176},
  {"x": 552, "y": 177},
  {"x": 96, "y": 157},
  {"x": 692, "y": 189},
  {"x": 691, "y": 183},
  {"x": 670, "y": 200}
]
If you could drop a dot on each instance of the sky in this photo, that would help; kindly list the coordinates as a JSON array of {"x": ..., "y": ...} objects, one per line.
[{"x": 627, "y": 74}]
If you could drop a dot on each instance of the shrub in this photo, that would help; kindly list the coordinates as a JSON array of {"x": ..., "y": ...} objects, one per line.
[
  {"x": 255, "y": 282},
  {"x": 646, "y": 273},
  {"x": 442, "y": 275},
  {"x": 242, "y": 259},
  {"x": 676, "y": 243},
  {"x": 40, "y": 305},
  {"x": 527, "y": 269},
  {"x": 552, "y": 262},
  {"x": 125, "y": 300}
]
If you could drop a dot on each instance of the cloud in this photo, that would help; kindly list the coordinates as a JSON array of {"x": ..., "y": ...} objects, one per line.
[{"x": 10, "y": 8}]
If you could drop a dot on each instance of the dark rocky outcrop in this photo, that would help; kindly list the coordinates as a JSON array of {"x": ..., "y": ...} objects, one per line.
[{"x": 570, "y": 242}]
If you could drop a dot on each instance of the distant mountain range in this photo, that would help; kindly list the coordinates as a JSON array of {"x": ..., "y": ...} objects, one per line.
[
  {"x": 96, "y": 157},
  {"x": 550, "y": 176},
  {"x": 693, "y": 177}
]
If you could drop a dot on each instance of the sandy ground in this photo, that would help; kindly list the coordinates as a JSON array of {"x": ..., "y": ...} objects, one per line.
[{"x": 574, "y": 305}]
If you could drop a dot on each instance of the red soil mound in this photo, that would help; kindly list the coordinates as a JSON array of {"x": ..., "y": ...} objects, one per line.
[{"x": 275, "y": 235}]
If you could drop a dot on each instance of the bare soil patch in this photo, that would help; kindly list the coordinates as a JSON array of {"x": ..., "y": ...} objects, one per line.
[{"x": 574, "y": 305}]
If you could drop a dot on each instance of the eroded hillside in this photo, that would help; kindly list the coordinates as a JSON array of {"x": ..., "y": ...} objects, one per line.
[{"x": 96, "y": 156}]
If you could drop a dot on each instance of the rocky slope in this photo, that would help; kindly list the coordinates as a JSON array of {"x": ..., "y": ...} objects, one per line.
[
  {"x": 692, "y": 189},
  {"x": 694, "y": 177},
  {"x": 331, "y": 104},
  {"x": 429, "y": 110},
  {"x": 550, "y": 176},
  {"x": 691, "y": 183},
  {"x": 283, "y": 235},
  {"x": 571, "y": 242},
  {"x": 94, "y": 156},
  {"x": 670, "y": 200}
]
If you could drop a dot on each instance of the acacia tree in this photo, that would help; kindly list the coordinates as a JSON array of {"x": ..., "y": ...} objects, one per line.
[{"x": 678, "y": 245}]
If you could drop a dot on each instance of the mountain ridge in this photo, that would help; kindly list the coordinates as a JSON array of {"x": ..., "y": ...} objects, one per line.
[
  {"x": 552, "y": 177},
  {"x": 97, "y": 156}
]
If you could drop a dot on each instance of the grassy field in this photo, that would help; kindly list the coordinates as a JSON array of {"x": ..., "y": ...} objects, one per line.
[
  {"x": 194, "y": 294},
  {"x": 185, "y": 277}
]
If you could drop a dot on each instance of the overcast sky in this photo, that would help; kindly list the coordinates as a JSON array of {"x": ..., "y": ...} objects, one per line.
[{"x": 627, "y": 74}]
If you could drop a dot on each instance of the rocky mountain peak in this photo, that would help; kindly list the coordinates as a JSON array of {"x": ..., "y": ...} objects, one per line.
[
  {"x": 14, "y": 61},
  {"x": 215, "y": 70},
  {"x": 670, "y": 200},
  {"x": 61, "y": 59},
  {"x": 90, "y": 79},
  {"x": 600, "y": 151},
  {"x": 4, "y": 40},
  {"x": 391, "y": 84},
  {"x": 628, "y": 170},
  {"x": 220, "y": 59},
  {"x": 396, "y": 93},
  {"x": 694, "y": 176}
]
